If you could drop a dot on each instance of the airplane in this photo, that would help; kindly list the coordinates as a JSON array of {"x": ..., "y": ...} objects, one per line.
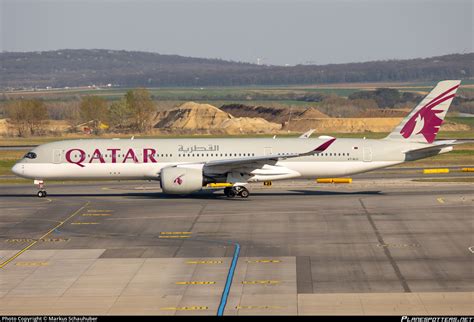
[{"x": 184, "y": 166}]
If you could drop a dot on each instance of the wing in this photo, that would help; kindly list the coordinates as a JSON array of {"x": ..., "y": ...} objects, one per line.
[{"x": 252, "y": 163}]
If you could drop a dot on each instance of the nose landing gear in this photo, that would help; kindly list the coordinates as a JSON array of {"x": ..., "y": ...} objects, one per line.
[
  {"x": 42, "y": 190},
  {"x": 240, "y": 191}
]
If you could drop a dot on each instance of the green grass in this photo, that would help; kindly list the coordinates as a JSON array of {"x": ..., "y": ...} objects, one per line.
[
  {"x": 462, "y": 120},
  {"x": 15, "y": 181},
  {"x": 234, "y": 92},
  {"x": 13, "y": 141},
  {"x": 458, "y": 156},
  {"x": 456, "y": 135},
  {"x": 7, "y": 159},
  {"x": 5, "y": 167}
]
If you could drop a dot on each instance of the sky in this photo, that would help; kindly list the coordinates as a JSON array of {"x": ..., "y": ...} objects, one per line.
[{"x": 277, "y": 32}]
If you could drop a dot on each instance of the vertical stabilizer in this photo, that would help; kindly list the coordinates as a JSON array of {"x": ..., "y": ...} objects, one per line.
[{"x": 423, "y": 123}]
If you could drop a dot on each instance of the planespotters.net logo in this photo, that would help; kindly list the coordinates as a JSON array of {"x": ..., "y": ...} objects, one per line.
[
  {"x": 179, "y": 180},
  {"x": 437, "y": 319}
]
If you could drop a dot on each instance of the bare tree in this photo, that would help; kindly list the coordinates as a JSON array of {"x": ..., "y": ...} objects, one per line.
[
  {"x": 120, "y": 114},
  {"x": 142, "y": 108},
  {"x": 28, "y": 116},
  {"x": 94, "y": 110}
]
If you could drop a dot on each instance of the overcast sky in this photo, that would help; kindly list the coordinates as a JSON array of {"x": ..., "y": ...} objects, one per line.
[{"x": 281, "y": 32}]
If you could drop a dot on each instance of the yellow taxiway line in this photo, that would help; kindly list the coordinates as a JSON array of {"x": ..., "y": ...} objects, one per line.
[{"x": 2, "y": 265}]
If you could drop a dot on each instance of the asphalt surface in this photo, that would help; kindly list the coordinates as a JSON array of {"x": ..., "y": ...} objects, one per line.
[{"x": 376, "y": 246}]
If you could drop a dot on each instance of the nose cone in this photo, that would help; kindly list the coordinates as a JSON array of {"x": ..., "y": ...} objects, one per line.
[{"x": 17, "y": 169}]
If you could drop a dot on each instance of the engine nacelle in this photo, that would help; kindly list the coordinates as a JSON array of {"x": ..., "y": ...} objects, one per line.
[{"x": 176, "y": 180}]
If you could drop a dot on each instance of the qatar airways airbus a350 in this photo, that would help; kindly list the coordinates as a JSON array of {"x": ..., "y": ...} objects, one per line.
[{"x": 184, "y": 166}]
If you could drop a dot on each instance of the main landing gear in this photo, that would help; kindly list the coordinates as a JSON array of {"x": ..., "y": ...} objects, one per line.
[
  {"x": 241, "y": 191},
  {"x": 41, "y": 189}
]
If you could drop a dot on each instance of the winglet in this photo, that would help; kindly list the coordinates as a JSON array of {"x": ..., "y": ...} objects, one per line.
[
  {"x": 306, "y": 134},
  {"x": 324, "y": 146}
]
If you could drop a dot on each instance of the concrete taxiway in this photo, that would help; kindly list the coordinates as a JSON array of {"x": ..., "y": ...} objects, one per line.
[{"x": 389, "y": 246}]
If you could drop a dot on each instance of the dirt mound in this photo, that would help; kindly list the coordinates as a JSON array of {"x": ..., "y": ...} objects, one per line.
[
  {"x": 354, "y": 125},
  {"x": 238, "y": 125},
  {"x": 343, "y": 125},
  {"x": 384, "y": 113},
  {"x": 310, "y": 113},
  {"x": 3, "y": 126},
  {"x": 51, "y": 126},
  {"x": 451, "y": 126},
  {"x": 272, "y": 114},
  {"x": 193, "y": 117}
]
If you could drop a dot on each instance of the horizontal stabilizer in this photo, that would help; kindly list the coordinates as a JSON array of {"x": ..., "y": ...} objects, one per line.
[{"x": 439, "y": 145}]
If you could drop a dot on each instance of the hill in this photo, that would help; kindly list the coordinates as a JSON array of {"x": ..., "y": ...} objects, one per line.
[
  {"x": 194, "y": 118},
  {"x": 69, "y": 68},
  {"x": 272, "y": 114}
]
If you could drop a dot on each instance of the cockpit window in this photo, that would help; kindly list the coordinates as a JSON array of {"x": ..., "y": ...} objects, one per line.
[{"x": 30, "y": 155}]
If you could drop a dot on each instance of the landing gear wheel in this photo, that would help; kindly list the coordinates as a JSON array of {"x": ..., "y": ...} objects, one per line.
[
  {"x": 231, "y": 193},
  {"x": 244, "y": 193},
  {"x": 41, "y": 189},
  {"x": 241, "y": 191}
]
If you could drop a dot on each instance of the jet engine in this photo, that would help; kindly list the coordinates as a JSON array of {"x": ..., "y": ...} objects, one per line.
[{"x": 175, "y": 180}]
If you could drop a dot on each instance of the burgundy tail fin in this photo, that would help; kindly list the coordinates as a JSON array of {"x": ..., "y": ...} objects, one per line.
[{"x": 423, "y": 123}]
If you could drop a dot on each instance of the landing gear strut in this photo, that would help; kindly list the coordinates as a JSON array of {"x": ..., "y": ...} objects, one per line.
[
  {"x": 42, "y": 190},
  {"x": 241, "y": 191}
]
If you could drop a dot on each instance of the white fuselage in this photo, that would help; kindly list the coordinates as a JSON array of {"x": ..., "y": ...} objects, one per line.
[{"x": 143, "y": 159}]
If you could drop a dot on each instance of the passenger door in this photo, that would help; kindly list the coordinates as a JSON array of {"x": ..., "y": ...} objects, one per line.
[
  {"x": 57, "y": 156},
  {"x": 367, "y": 154},
  {"x": 267, "y": 151}
]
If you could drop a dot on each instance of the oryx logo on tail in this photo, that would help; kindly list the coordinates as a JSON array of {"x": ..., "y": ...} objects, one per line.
[
  {"x": 426, "y": 120},
  {"x": 423, "y": 122}
]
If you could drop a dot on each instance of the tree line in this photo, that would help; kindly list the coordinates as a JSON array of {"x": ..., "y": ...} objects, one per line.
[{"x": 134, "y": 112}]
